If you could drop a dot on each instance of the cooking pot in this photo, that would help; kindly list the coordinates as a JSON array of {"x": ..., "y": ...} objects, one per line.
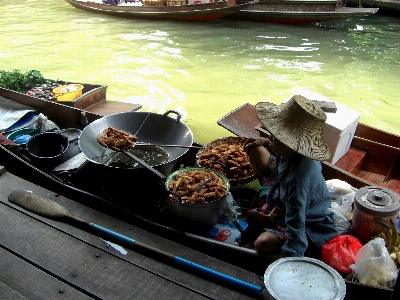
[
  {"x": 206, "y": 213},
  {"x": 374, "y": 206},
  {"x": 49, "y": 149},
  {"x": 148, "y": 127}
]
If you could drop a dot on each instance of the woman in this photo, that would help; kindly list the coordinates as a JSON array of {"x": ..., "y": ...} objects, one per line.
[{"x": 290, "y": 211}]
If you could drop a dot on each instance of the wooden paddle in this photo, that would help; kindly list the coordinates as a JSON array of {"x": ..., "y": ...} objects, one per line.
[{"x": 50, "y": 209}]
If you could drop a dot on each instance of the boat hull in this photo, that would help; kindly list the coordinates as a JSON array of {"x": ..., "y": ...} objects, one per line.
[
  {"x": 300, "y": 11},
  {"x": 297, "y": 17},
  {"x": 189, "y": 12},
  {"x": 87, "y": 191}
]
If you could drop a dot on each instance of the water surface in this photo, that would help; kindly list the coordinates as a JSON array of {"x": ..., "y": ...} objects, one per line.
[{"x": 206, "y": 69}]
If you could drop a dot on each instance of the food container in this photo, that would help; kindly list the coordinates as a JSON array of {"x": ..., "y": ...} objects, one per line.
[
  {"x": 206, "y": 213},
  {"x": 294, "y": 278},
  {"x": 68, "y": 92},
  {"x": 235, "y": 183},
  {"x": 22, "y": 136},
  {"x": 374, "y": 206}
]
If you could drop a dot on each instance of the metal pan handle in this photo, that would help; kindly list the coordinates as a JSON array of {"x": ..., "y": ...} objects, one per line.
[{"x": 178, "y": 115}]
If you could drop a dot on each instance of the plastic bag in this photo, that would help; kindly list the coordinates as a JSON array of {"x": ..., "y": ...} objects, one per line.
[
  {"x": 232, "y": 210},
  {"x": 342, "y": 195},
  {"x": 373, "y": 265},
  {"x": 342, "y": 225},
  {"x": 340, "y": 252},
  {"x": 344, "y": 204},
  {"x": 44, "y": 124},
  {"x": 338, "y": 188}
]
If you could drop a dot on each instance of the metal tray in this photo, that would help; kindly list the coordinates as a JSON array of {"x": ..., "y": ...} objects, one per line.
[{"x": 303, "y": 278}]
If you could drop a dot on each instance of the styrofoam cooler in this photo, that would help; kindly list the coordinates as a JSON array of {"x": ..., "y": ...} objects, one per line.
[{"x": 339, "y": 130}]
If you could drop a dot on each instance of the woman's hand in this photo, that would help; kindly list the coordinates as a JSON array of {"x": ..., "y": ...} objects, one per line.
[{"x": 252, "y": 142}]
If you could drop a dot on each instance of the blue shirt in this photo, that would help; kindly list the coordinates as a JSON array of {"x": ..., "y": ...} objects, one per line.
[{"x": 303, "y": 191}]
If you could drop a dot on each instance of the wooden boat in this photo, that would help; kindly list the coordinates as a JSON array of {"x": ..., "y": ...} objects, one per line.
[
  {"x": 164, "y": 9},
  {"x": 93, "y": 99},
  {"x": 373, "y": 156},
  {"x": 90, "y": 187},
  {"x": 389, "y": 7},
  {"x": 301, "y": 11}
]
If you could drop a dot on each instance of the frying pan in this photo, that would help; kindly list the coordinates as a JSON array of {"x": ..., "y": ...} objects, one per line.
[{"x": 149, "y": 127}]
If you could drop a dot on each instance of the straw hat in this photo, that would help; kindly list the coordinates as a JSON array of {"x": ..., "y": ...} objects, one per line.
[{"x": 297, "y": 123}]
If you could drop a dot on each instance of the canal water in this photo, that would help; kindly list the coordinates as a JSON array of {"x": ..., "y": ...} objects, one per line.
[{"x": 206, "y": 69}]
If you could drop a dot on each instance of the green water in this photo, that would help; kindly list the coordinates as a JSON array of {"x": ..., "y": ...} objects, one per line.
[{"x": 206, "y": 69}]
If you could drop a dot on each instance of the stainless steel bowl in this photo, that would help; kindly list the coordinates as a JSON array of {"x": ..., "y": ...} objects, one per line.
[{"x": 207, "y": 213}]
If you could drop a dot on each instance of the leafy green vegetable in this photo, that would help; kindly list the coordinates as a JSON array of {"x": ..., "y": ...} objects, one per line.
[{"x": 21, "y": 82}]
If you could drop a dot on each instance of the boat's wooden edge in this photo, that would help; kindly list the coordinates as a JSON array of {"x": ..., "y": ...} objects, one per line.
[
  {"x": 51, "y": 109},
  {"x": 71, "y": 112},
  {"x": 107, "y": 107},
  {"x": 377, "y": 135}
]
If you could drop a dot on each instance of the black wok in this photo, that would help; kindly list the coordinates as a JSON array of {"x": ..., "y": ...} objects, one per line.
[{"x": 150, "y": 128}]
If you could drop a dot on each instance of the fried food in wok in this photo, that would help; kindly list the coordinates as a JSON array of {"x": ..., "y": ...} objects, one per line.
[
  {"x": 228, "y": 159},
  {"x": 116, "y": 139},
  {"x": 184, "y": 185}
]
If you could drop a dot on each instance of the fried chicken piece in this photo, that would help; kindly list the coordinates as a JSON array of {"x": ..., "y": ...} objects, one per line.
[
  {"x": 228, "y": 159},
  {"x": 185, "y": 184},
  {"x": 116, "y": 139}
]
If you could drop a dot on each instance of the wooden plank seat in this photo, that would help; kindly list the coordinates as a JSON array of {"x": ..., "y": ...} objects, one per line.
[{"x": 352, "y": 162}]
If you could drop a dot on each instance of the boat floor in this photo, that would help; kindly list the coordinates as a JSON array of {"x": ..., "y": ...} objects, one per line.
[{"x": 380, "y": 169}]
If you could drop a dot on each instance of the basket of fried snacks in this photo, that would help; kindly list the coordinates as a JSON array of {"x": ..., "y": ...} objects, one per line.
[{"x": 227, "y": 156}]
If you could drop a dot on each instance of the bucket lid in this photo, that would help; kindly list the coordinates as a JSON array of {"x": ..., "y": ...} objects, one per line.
[
  {"x": 303, "y": 278},
  {"x": 378, "y": 201}
]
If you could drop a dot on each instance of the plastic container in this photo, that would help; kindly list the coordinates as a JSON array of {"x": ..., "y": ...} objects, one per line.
[
  {"x": 22, "y": 136},
  {"x": 68, "y": 92},
  {"x": 339, "y": 130},
  {"x": 294, "y": 278}
]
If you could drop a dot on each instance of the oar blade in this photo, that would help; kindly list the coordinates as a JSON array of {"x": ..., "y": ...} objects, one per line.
[{"x": 39, "y": 205}]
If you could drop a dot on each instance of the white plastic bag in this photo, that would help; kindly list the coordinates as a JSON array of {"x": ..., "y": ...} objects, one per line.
[
  {"x": 373, "y": 265},
  {"x": 232, "y": 210},
  {"x": 344, "y": 204},
  {"x": 342, "y": 195},
  {"x": 342, "y": 225},
  {"x": 338, "y": 188},
  {"x": 44, "y": 124}
]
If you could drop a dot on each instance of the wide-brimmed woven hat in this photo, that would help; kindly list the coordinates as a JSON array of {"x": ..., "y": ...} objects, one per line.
[{"x": 297, "y": 123}]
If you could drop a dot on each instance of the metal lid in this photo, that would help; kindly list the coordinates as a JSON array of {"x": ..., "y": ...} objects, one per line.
[
  {"x": 377, "y": 201},
  {"x": 303, "y": 278}
]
